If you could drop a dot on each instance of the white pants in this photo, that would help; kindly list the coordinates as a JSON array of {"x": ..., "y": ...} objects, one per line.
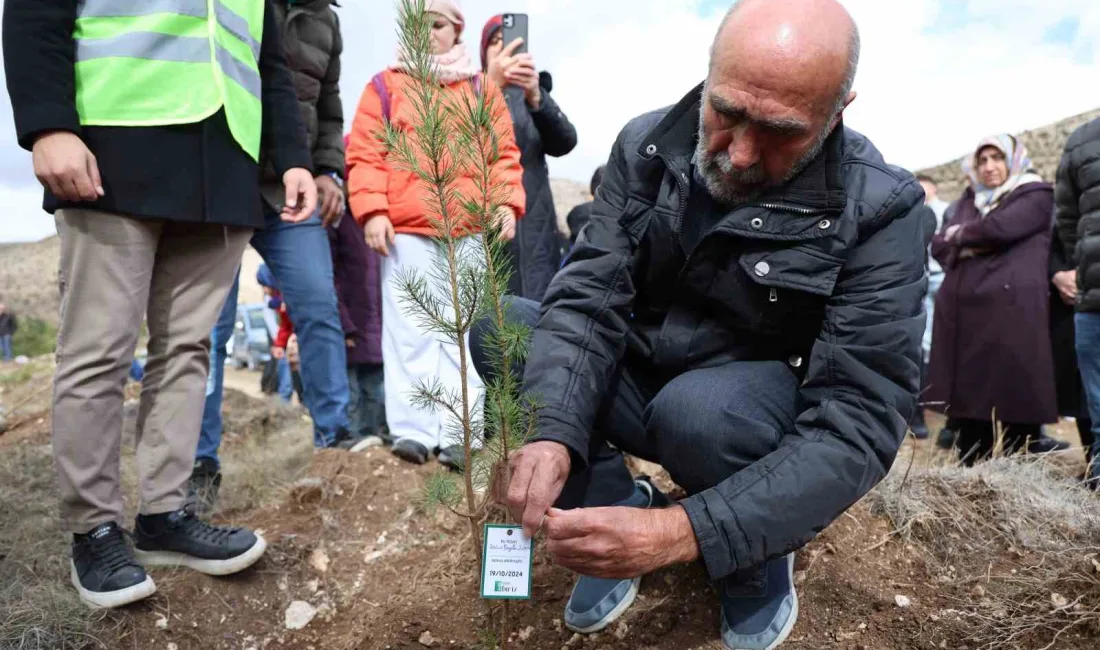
[{"x": 411, "y": 355}]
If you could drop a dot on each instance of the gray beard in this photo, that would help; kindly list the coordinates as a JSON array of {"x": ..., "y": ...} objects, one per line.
[{"x": 736, "y": 186}]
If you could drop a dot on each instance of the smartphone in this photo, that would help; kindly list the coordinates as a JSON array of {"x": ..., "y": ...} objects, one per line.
[{"x": 515, "y": 26}]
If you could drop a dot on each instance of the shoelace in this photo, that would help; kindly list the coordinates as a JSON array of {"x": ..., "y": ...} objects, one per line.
[
  {"x": 198, "y": 529},
  {"x": 110, "y": 551}
]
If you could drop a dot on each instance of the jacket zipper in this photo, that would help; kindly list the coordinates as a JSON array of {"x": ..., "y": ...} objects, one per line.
[{"x": 788, "y": 208}]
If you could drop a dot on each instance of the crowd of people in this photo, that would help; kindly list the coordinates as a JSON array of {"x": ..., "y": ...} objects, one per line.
[{"x": 743, "y": 301}]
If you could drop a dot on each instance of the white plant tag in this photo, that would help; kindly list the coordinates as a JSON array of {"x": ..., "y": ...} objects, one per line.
[{"x": 506, "y": 563}]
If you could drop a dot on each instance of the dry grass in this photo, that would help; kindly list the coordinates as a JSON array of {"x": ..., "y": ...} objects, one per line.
[
  {"x": 267, "y": 448},
  {"x": 1021, "y": 535}
]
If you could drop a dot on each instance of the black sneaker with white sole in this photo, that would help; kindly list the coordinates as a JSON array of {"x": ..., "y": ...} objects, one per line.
[
  {"x": 181, "y": 539},
  {"x": 103, "y": 569}
]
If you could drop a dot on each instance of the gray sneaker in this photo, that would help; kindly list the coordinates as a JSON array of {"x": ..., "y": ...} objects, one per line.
[
  {"x": 759, "y": 611},
  {"x": 598, "y": 602}
]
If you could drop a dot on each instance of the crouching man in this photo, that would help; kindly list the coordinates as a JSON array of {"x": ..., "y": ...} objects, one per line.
[{"x": 744, "y": 308}]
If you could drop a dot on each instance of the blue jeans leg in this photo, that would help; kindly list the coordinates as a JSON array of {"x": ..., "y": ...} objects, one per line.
[
  {"x": 299, "y": 257},
  {"x": 5, "y": 346},
  {"x": 366, "y": 402},
  {"x": 210, "y": 436},
  {"x": 1087, "y": 327},
  {"x": 286, "y": 386}
]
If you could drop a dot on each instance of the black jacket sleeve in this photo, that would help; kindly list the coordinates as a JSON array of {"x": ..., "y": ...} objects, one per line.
[
  {"x": 557, "y": 133},
  {"x": 284, "y": 134},
  {"x": 39, "y": 53},
  {"x": 581, "y": 336},
  {"x": 1066, "y": 211},
  {"x": 328, "y": 152},
  {"x": 859, "y": 392},
  {"x": 1058, "y": 260}
]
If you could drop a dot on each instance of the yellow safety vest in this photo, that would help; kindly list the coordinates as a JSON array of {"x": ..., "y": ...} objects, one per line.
[{"x": 162, "y": 62}]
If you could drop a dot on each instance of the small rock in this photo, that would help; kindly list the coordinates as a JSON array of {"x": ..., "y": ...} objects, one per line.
[
  {"x": 799, "y": 577},
  {"x": 173, "y": 646},
  {"x": 313, "y": 585},
  {"x": 526, "y": 633},
  {"x": 371, "y": 557},
  {"x": 162, "y": 623},
  {"x": 1058, "y": 600},
  {"x": 978, "y": 591},
  {"x": 575, "y": 640},
  {"x": 319, "y": 560},
  {"x": 299, "y": 614},
  {"x": 902, "y": 601},
  {"x": 1096, "y": 565},
  {"x": 426, "y": 639},
  {"x": 621, "y": 631},
  {"x": 862, "y": 626},
  {"x": 556, "y": 624}
]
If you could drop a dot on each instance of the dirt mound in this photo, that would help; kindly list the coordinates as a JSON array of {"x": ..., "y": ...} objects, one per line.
[{"x": 1001, "y": 556}]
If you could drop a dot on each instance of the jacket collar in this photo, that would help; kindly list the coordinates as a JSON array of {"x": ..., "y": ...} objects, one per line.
[{"x": 820, "y": 186}]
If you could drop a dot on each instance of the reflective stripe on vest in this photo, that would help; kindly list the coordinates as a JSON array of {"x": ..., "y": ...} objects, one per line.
[{"x": 148, "y": 62}]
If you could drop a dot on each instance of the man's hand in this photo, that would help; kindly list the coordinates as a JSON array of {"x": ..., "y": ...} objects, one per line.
[
  {"x": 331, "y": 198},
  {"x": 278, "y": 353},
  {"x": 505, "y": 219},
  {"x": 1066, "y": 283},
  {"x": 620, "y": 542},
  {"x": 379, "y": 232},
  {"x": 538, "y": 471},
  {"x": 301, "y": 195},
  {"x": 65, "y": 166}
]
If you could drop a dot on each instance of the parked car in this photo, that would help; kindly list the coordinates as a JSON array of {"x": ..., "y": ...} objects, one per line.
[{"x": 251, "y": 344}]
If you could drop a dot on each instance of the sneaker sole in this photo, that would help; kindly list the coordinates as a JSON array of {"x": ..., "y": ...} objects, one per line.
[
  {"x": 112, "y": 599},
  {"x": 619, "y": 610},
  {"x": 789, "y": 627},
  {"x": 209, "y": 567}
]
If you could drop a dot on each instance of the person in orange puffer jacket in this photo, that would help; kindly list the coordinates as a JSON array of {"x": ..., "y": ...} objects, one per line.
[{"x": 393, "y": 206}]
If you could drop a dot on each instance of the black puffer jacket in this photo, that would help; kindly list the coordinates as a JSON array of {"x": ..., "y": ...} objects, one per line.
[
  {"x": 311, "y": 34},
  {"x": 1077, "y": 210},
  {"x": 536, "y": 250},
  {"x": 826, "y": 274}
]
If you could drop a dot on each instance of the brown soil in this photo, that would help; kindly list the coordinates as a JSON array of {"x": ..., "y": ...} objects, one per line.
[
  {"x": 396, "y": 577},
  {"x": 344, "y": 536}
]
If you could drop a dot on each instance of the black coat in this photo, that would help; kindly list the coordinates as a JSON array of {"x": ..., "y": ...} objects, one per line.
[
  {"x": 1067, "y": 377},
  {"x": 1077, "y": 210},
  {"x": 191, "y": 173},
  {"x": 536, "y": 250},
  {"x": 8, "y": 324},
  {"x": 826, "y": 274}
]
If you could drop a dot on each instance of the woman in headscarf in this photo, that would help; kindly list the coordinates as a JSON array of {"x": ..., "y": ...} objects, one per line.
[
  {"x": 541, "y": 130},
  {"x": 991, "y": 355},
  {"x": 394, "y": 207}
]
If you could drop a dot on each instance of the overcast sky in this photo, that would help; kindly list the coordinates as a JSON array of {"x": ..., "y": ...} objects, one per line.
[{"x": 935, "y": 76}]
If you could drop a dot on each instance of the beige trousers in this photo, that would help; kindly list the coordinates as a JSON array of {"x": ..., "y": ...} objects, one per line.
[{"x": 115, "y": 271}]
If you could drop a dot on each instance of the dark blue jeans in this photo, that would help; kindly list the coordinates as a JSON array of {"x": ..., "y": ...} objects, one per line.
[
  {"x": 703, "y": 426},
  {"x": 366, "y": 399},
  {"x": 1087, "y": 327},
  {"x": 299, "y": 257},
  {"x": 5, "y": 347}
]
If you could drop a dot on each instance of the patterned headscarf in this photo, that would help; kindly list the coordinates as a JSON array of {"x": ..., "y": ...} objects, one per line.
[{"x": 1020, "y": 171}]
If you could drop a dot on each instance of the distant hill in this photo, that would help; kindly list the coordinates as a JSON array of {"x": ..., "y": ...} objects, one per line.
[
  {"x": 1044, "y": 144},
  {"x": 28, "y": 272}
]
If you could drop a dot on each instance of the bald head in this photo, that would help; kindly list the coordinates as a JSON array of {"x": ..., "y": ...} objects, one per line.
[
  {"x": 781, "y": 72},
  {"x": 815, "y": 40}
]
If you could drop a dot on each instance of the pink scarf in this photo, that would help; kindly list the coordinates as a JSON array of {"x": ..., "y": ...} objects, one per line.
[{"x": 455, "y": 65}]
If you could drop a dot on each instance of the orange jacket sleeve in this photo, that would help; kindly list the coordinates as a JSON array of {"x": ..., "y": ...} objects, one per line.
[
  {"x": 507, "y": 168},
  {"x": 368, "y": 171}
]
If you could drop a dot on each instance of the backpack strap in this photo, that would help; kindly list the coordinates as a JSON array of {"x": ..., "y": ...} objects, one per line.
[{"x": 379, "y": 83}]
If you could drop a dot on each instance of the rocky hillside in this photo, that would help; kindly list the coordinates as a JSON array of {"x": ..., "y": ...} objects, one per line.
[
  {"x": 28, "y": 272},
  {"x": 1045, "y": 145}
]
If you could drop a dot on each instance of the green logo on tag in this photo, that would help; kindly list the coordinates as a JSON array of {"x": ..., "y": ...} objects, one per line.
[{"x": 498, "y": 586}]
